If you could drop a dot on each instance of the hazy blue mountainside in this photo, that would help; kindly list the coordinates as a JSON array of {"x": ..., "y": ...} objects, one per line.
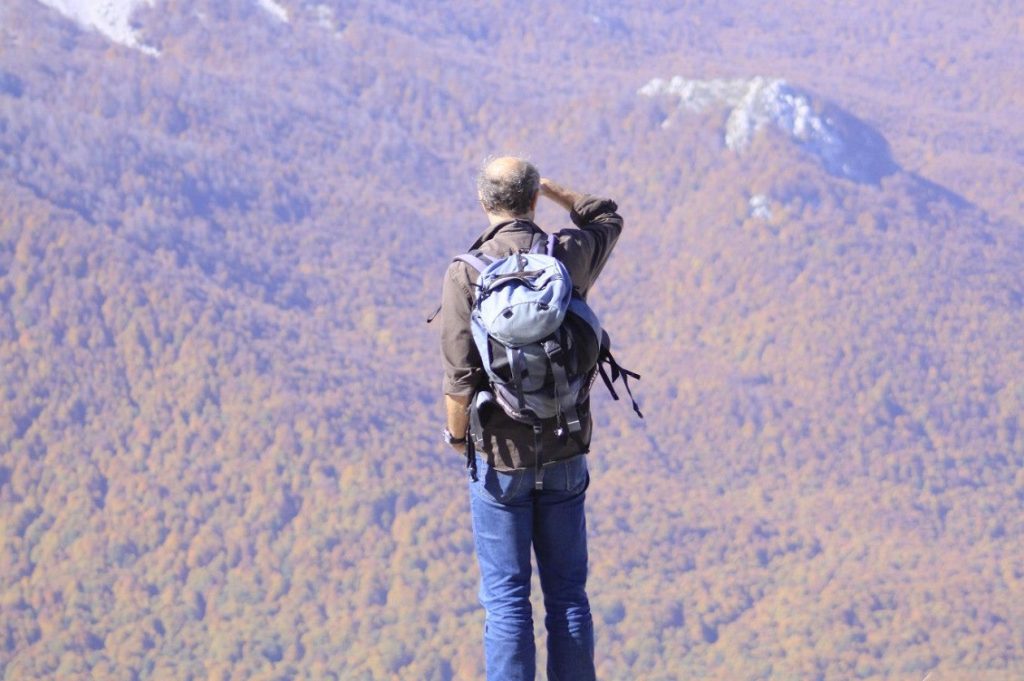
[{"x": 219, "y": 401}]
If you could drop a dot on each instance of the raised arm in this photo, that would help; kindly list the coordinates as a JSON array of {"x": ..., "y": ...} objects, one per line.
[
  {"x": 566, "y": 198},
  {"x": 584, "y": 250}
]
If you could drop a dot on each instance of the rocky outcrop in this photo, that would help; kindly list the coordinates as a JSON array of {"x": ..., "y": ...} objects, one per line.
[
  {"x": 845, "y": 146},
  {"x": 112, "y": 18}
]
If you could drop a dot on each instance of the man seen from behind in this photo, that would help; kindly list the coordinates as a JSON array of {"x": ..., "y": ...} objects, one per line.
[{"x": 510, "y": 514}]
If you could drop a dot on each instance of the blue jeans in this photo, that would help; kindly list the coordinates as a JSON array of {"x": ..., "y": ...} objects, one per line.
[{"x": 509, "y": 516}]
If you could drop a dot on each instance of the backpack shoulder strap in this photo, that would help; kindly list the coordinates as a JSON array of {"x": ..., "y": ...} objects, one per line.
[
  {"x": 543, "y": 245},
  {"x": 537, "y": 244},
  {"x": 475, "y": 259}
]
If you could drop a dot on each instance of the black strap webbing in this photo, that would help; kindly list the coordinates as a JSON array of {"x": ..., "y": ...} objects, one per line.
[
  {"x": 538, "y": 469},
  {"x": 617, "y": 372},
  {"x": 517, "y": 363},
  {"x": 566, "y": 403},
  {"x": 476, "y": 433},
  {"x": 471, "y": 457}
]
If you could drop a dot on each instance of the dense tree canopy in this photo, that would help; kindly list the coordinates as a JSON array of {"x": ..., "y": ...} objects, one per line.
[{"x": 219, "y": 403}]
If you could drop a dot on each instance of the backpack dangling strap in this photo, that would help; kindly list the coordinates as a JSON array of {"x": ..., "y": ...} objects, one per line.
[
  {"x": 538, "y": 469},
  {"x": 607, "y": 381},
  {"x": 566, "y": 405},
  {"x": 517, "y": 364},
  {"x": 471, "y": 456},
  {"x": 475, "y": 439},
  {"x": 618, "y": 371}
]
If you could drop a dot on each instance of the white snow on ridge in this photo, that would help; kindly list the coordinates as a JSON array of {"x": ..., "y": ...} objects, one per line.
[
  {"x": 109, "y": 17},
  {"x": 112, "y": 18},
  {"x": 846, "y": 146},
  {"x": 755, "y": 102},
  {"x": 275, "y": 10}
]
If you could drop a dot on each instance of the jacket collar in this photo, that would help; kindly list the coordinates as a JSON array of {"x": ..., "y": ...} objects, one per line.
[{"x": 513, "y": 225}]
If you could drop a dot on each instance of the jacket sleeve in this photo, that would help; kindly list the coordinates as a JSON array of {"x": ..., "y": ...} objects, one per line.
[
  {"x": 586, "y": 249},
  {"x": 463, "y": 371}
]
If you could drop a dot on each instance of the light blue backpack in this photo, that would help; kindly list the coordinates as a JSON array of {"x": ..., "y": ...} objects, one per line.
[{"x": 540, "y": 343}]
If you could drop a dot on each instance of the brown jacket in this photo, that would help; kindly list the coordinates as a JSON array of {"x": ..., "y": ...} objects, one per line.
[{"x": 509, "y": 444}]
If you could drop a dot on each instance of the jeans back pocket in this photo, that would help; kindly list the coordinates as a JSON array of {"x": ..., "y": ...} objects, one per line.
[{"x": 499, "y": 486}]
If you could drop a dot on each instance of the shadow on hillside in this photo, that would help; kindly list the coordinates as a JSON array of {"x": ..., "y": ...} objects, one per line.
[
  {"x": 931, "y": 191},
  {"x": 855, "y": 150},
  {"x": 867, "y": 158}
]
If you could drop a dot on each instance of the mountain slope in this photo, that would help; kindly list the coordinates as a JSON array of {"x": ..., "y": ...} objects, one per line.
[{"x": 218, "y": 424}]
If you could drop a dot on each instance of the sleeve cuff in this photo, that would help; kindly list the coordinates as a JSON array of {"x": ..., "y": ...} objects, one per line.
[{"x": 463, "y": 388}]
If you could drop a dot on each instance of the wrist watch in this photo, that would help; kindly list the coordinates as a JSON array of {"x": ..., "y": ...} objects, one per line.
[{"x": 451, "y": 439}]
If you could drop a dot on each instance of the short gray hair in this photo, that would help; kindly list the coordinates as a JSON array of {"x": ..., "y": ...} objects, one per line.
[{"x": 507, "y": 185}]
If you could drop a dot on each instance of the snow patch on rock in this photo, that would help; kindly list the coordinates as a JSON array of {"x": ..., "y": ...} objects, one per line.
[
  {"x": 112, "y": 18},
  {"x": 755, "y": 102},
  {"x": 275, "y": 10},
  {"x": 845, "y": 145},
  {"x": 760, "y": 207},
  {"x": 324, "y": 17}
]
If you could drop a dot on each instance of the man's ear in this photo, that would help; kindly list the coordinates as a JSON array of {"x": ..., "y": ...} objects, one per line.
[{"x": 533, "y": 204}]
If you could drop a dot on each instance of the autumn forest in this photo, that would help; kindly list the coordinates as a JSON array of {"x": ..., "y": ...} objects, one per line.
[{"x": 220, "y": 405}]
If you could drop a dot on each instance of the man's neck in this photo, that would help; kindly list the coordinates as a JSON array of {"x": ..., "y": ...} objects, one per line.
[{"x": 495, "y": 218}]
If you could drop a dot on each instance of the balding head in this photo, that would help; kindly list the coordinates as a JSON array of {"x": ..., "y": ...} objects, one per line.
[{"x": 508, "y": 186}]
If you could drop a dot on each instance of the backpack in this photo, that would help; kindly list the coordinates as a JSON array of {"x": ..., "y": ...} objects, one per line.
[{"x": 540, "y": 344}]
